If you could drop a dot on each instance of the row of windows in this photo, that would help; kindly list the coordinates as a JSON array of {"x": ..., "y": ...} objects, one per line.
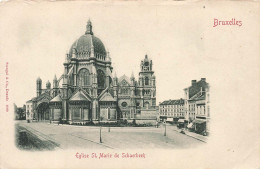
[
  {"x": 126, "y": 91},
  {"x": 147, "y": 82},
  {"x": 171, "y": 110},
  {"x": 107, "y": 103},
  {"x": 173, "y": 114},
  {"x": 172, "y": 106},
  {"x": 192, "y": 107},
  {"x": 84, "y": 78}
]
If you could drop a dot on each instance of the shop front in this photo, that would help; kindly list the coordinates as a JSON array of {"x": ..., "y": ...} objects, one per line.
[{"x": 199, "y": 126}]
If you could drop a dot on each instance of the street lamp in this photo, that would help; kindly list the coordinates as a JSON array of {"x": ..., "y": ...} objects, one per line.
[
  {"x": 108, "y": 126},
  {"x": 100, "y": 137}
]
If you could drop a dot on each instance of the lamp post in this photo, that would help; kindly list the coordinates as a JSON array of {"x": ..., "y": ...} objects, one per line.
[
  {"x": 100, "y": 136},
  {"x": 117, "y": 106},
  {"x": 108, "y": 127}
]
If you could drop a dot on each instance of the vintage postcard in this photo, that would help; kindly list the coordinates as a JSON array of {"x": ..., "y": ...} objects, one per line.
[{"x": 113, "y": 84}]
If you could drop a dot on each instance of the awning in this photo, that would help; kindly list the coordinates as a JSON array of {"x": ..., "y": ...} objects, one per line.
[
  {"x": 169, "y": 119},
  {"x": 197, "y": 121},
  {"x": 181, "y": 121},
  {"x": 190, "y": 125}
]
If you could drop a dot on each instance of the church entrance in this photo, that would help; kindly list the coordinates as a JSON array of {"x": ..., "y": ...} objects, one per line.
[{"x": 43, "y": 112}]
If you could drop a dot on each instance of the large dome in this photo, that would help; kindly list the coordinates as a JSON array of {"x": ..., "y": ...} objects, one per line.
[{"x": 82, "y": 46}]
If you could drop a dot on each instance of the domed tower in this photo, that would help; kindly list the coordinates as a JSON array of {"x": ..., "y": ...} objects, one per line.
[
  {"x": 88, "y": 67},
  {"x": 38, "y": 86},
  {"x": 88, "y": 49}
]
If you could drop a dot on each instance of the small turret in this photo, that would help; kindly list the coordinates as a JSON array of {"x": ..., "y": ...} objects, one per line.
[
  {"x": 38, "y": 86},
  {"x": 74, "y": 53},
  {"x": 108, "y": 59},
  {"x": 66, "y": 58},
  {"x": 132, "y": 79},
  {"x": 48, "y": 85},
  {"x": 55, "y": 85},
  {"x": 115, "y": 80}
]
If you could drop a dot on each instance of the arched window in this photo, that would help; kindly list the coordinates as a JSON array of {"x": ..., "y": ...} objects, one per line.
[
  {"x": 101, "y": 78},
  {"x": 124, "y": 91},
  {"x": 83, "y": 77},
  {"x": 146, "y": 105},
  {"x": 108, "y": 113},
  {"x": 146, "y": 81}
]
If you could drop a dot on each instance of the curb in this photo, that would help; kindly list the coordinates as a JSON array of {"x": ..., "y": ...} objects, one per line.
[
  {"x": 192, "y": 136},
  {"x": 196, "y": 138}
]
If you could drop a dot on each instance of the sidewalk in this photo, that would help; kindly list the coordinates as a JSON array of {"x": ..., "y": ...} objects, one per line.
[{"x": 192, "y": 134}]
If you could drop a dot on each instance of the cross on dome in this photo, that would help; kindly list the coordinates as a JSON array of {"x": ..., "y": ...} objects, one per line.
[{"x": 89, "y": 28}]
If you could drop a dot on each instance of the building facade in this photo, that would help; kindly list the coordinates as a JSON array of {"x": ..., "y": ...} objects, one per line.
[
  {"x": 19, "y": 112},
  {"x": 87, "y": 91},
  {"x": 172, "y": 110},
  {"x": 29, "y": 110},
  {"x": 197, "y": 105}
]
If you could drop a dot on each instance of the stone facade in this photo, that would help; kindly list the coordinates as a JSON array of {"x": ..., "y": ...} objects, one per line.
[{"x": 87, "y": 91}]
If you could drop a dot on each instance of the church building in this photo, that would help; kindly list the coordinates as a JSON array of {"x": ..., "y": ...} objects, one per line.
[{"x": 87, "y": 90}]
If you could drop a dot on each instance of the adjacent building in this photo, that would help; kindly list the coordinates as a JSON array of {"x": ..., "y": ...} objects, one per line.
[
  {"x": 87, "y": 90},
  {"x": 29, "y": 111},
  {"x": 19, "y": 112},
  {"x": 172, "y": 110},
  {"x": 197, "y": 105}
]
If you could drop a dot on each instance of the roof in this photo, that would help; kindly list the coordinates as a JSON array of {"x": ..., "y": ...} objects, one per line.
[
  {"x": 107, "y": 97},
  {"x": 196, "y": 87},
  {"x": 181, "y": 121},
  {"x": 199, "y": 96},
  {"x": 79, "y": 96},
  {"x": 56, "y": 99},
  {"x": 84, "y": 43},
  {"x": 39, "y": 79},
  {"x": 29, "y": 101},
  {"x": 173, "y": 102},
  {"x": 34, "y": 98},
  {"x": 198, "y": 121}
]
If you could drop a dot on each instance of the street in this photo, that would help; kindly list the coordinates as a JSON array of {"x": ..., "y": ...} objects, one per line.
[{"x": 45, "y": 136}]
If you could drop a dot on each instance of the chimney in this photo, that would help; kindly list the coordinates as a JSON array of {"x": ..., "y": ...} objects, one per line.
[
  {"x": 193, "y": 82},
  {"x": 203, "y": 79}
]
